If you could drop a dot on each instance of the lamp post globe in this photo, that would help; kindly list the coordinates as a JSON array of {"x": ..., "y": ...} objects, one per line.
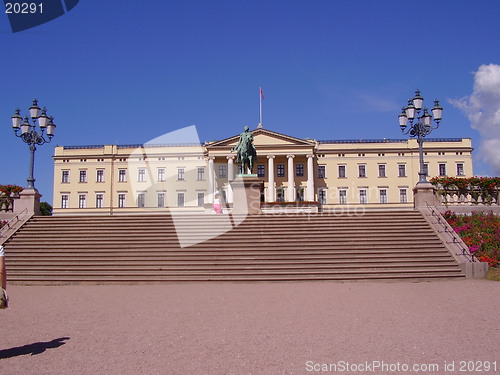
[
  {"x": 416, "y": 121},
  {"x": 35, "y": 133}
]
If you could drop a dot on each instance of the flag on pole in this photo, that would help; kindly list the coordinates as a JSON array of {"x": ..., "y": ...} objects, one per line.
[{"x": 260, "y": 106}]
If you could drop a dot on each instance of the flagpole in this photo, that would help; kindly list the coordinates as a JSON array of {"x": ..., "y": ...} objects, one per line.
[{"x": 260, "y": 106}]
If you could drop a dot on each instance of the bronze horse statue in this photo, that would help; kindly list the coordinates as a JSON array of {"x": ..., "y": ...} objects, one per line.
[{"x": 247, "y": 155}]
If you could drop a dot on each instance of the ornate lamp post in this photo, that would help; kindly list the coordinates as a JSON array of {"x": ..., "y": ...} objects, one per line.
[
  {"x": 30, "y": 134},
  {"x": 420, "y": 125}
]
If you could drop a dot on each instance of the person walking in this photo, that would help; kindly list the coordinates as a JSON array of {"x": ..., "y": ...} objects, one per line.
[
  {"x": 217, "y": 204},
  {"x": 4, "y": 299}
]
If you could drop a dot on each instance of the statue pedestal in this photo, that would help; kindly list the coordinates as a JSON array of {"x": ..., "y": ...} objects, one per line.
[{"x": 246, "y": 194}]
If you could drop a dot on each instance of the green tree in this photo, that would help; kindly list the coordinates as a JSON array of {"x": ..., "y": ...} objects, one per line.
[{"x": 45, "y": 209}]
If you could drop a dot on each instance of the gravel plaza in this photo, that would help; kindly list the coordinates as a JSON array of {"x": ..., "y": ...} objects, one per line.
[{"x": 437, "y": 327}]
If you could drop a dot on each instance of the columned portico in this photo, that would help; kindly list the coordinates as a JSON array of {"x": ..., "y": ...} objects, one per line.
[
  {"x": 285, "y": 165},
  {"x": 310, "y": 178},
  {"x": 291, "y": 184},
  {"x": 270, "y": 189}
]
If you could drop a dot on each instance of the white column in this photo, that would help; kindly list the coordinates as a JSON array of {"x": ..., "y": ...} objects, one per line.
[
  {"x": 310, "y": 178},
  {"x": 271, "y": 197},
  {"x": 291, "y": 175},
  {"x": 211, "y": 179},
  {"x": 230, "y": 178}
]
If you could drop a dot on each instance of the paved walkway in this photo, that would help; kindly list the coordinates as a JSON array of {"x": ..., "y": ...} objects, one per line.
[{"x": 259, "y": 328}]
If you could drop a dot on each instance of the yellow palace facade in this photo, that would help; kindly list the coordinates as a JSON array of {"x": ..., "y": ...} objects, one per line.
[{"x": 376, "y": 173}]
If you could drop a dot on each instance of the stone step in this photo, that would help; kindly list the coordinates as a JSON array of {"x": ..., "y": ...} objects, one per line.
[
  {"x": 355, "y": 275},
  {"x": 207, "y": 227},
  {"x": 23, "y": 261},
  {"x": 212, "y": 247},
  {"x": 242, "y": 271},
  {"x": 105, "y": 279}
]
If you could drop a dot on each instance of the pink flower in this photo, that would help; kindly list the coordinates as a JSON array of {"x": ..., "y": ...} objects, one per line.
[{"x": 473, "y": 248}]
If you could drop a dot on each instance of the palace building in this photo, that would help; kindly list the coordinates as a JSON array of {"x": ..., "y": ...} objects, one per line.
[{"x": 378, "y": 173}]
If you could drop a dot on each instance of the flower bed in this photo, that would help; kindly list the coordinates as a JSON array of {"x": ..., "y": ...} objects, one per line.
[{"x": 480, "y": 232}]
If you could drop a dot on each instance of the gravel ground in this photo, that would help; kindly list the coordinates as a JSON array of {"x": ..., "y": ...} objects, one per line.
[{"x": 252, "y": 328}]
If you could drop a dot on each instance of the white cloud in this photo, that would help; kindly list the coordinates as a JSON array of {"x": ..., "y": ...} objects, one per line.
[{"x": 482, "y": 108}]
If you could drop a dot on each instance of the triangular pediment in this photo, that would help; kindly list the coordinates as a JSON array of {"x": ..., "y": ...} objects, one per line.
[{"x": 264, "y": 138}]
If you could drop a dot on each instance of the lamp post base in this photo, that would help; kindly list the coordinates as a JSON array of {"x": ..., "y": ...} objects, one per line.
[
  {"x": 423, "y": 195},
  {"x": 29, "y": 199}
]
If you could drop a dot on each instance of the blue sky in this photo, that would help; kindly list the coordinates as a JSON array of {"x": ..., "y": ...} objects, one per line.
[{"x": 129, "y": 71}]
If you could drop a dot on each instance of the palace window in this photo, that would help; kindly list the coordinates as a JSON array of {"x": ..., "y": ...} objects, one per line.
[
  {"x": 161, "y": 174},
  {"x": 299, "y": 170},
  {"x": 403, "y": 196},
  {"x": 402, "y": 170},
  {"x": 141, "y": 200},
  {"x": 460, "y": 169},
  {"x": 65, "y": 177},
  {"x": 280, "y": 194},
  {"x": 99, "y": 200},
  {"x": 82, "y": 199},
  {"x": 201, "y": 199},
  {"x": 342, "y": 171},
  {"x": 381, "y": 170},
  {"x": 343, "y": 196},
  {"x": 122, "y": 175},
  {"x": 261, "y": 170},
  {"x": 222, "y": 171},
  {"x": 64, "y": 201},
  {"x": 280, "y": 170},
  {"x": 362, "y": 170},
  {"x": 141, "y": 175},
  {"x": 121, "y": 200},
  {"x": 201, "y": 174},
  {"x": 180, "y": 199},
  {"x": 83, "y": 175},
  {"x": 362, "y": 196},
  {"x": 100, "y": 175},
  {"x": 321, "y": 171},
  {"x": 300, "y": 194},
  {"x": 180, "y": 174},
  {"x": 322, "y": 196},
  {"x": 442, "y": 169},
  {"x": 383, "y": 195},
  {"x": 161, "y": 199}
]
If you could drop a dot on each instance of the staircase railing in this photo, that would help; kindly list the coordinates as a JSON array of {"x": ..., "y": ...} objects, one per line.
[
  {"x": 455, "y": 238},
  {"x": 14, "y": 224}
]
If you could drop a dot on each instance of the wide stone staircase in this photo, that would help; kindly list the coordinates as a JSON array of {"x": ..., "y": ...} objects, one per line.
[{"x": 147, "y": 248}]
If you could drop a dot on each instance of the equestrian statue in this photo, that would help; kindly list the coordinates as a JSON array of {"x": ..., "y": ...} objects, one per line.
[{"x": 247, "y": 155}]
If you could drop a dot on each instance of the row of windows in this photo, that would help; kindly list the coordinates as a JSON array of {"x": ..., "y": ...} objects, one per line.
[
  {"x": 280, "y": 197},
  {"x": 382, "y": 170},
  {"x": 122, "y": 175},
  {"x": 363, "y": 196},
  {"x": 121, "y": 203},
  {"x": 181, "y": 173},
  {"x": 261, "y": 172}
]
